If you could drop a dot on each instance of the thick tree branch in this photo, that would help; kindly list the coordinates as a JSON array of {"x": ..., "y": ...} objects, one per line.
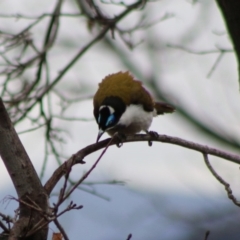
[
  {"x": 22, "y": 173},
  {"x": 80, "y": 155}
]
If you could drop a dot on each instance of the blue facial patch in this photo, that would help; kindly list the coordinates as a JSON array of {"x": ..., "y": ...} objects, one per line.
[
  {"x": 110, "y": 120},
  {"x": 99, "y": 118}
]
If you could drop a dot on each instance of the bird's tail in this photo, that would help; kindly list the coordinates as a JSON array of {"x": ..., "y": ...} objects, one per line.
[{"x": 162, "y": 108}]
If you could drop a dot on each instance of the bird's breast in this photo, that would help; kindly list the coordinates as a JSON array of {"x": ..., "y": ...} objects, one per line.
[{"x": 135, "y": 119}]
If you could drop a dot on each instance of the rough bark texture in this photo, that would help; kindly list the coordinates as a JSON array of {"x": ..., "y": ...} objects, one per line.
[
  {"x": 231, "y": 14},
  {"x": 27, "y": 184}
]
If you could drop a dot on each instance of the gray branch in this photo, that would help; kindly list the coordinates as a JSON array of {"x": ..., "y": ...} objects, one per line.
[
  {"x": 80, "y": 155},
  {"x": 23, "y": 175}
]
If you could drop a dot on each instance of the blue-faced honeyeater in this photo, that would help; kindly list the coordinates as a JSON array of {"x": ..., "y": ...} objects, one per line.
[{"x": 122, "y": 105}]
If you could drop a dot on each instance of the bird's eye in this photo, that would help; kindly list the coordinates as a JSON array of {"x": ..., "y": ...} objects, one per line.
[{"x": 110, "y": 120}]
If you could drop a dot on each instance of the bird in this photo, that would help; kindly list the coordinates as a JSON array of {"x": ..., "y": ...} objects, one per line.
[{"x": 123, "y": 106}]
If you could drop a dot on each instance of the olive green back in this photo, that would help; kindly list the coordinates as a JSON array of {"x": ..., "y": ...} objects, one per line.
[{"x": 124, "y": 86}]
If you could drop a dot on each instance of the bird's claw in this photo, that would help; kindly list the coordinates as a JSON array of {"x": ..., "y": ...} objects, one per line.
[
  {"x": 152, "y": 134},
  {"x": 119, "y": 139}
]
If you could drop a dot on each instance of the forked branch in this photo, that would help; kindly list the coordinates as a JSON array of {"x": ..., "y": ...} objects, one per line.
[{"x": 80, "y": 155}]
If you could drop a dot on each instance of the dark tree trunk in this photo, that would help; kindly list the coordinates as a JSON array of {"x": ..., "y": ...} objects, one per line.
[
  {"x": 25, "y": 179},
  {"x": 231, "y": 14}
]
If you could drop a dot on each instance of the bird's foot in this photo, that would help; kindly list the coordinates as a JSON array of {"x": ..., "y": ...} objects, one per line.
[
  {"x": 152, "y": 134},
  {"x": 119, "y": 137}
]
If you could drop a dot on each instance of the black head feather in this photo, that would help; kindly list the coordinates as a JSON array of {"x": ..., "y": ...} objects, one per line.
[{"x": 110, "y": 112}]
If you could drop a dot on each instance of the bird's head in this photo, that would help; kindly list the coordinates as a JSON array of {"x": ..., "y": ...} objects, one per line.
[{"x": 108, "y": 114}]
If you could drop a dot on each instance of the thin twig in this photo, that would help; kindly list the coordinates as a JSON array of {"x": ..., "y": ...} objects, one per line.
[
  {"x": 110, "y": 24},
  {"x": 217, "y": 61},
  {"x": 31, "y": 129},
  {"x": 222, "y": 181},
  {"x": 88, "y": 172},
  {"x": 4, "y": 228},
  {"x": 72, "y": 118},
  {"x": 206, "y": 235},
  {"x": 61, "y": 229},
  {"x": 23, "y": 16},
  {"x": 129, "y": 236},
  {"x": 200, "y": 52}
]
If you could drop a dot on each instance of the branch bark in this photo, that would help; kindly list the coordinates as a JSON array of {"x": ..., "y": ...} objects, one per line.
[
  {"x": 80, "y": 155},
  {"x": 24, "y": 178}
]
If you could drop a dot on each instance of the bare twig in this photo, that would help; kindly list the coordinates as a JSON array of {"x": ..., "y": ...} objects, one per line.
[
  {"x": 80, "y": 155},
  {"x": 222, "y": 181},
  {"x": 6, "y": 218},
  {"x": 70, "y": 207},
  {"x": 220, "y": 51},
  {"x": 129, "y": 236},
  {"x": 59, "y": 226},
  {"x": 64, "y": 188},
  {"x": 23, "y": 16},
  {"x": 31, "y": 129},
  {"x": 109, "y": 25},
  {"x": 217, "y": 61},
  {"x": 200, "y": 52},
  {"x": 206, "y": 235},
  {"x": 73, "y": 118},
  {"x": 88, "y": 172},
  {"x": 4, "y": 228},
  {"x": 47, "y": 216}
]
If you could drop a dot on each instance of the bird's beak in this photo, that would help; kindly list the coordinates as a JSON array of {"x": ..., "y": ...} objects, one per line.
[{"x": 100, "y": 133}]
